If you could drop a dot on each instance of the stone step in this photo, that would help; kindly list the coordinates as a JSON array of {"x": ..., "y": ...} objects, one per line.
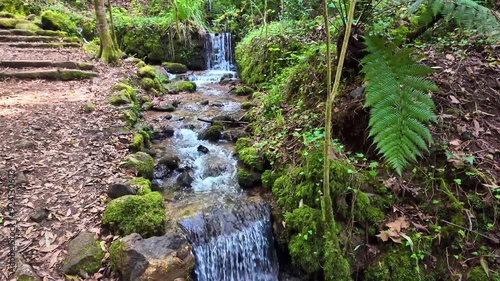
[
  {"x": 40, "y": 45},
  {"x": 33, "y": 33},
  {"x": 46, "y": 63},
  {"x": 23, "y": 38},
  {"x": 49, "y": 74}
]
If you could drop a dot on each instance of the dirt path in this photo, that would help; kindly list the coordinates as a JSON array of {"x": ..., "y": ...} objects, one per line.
[{"x": 64, "y": 158}]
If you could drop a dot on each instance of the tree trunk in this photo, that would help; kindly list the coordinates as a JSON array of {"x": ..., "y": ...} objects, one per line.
[{"x": 110, "y": 53}]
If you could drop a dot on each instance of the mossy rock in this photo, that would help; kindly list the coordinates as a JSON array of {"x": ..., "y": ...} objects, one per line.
[
  {"x": 181, "y": 86},
  {"x": 146, "y": 106},
  {"x": 251, "y": 158},
  {"x": 212, "y": 133},
  {"x": 246, "y": 105},
  {"x": 140, "y": 64},
  {"x": 137, "y": 143},
  {"x": 142, "y": 162},
  {"x": 147, "y": 83},
  {"x": 88, "y": 30},
  {"x": 242, "y": 143},
  {"x": 248, "y": 179},
  {"x": 126, "y": 94},
  {"x": 142, "y": 214},
  {"x": 175, "y": 68},
  {"x": 268, "y": 178},
  {"x": 243, "y": 91},
  {"x": 84, "y": 255},
  {"x": 141, "y": 185},
  {"x": 147, "y": 71},
  {"x": 51, "y": 20}
]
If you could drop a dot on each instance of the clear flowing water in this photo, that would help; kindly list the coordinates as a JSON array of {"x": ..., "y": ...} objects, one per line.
[
  {"x": 233, "y": 242},
  {"x": 231, "y": 237}
]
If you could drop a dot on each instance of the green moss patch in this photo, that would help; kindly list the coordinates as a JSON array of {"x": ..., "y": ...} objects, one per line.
[
  {"x": 181, "y": 86},
  {"x": 142, "y": 162},
  {"x": 248, "y": 179},
  {"x": 243, "y": 91},
  {"x": 142, "y": 214},
  {"x": 251, "y": 158},
  {"x": 142, "y": 185},
  {"x": 175, "y": 68},
  {"x": 147, "y": 71},
  {"x": 52, "y": 20},
  {"x": 212, "y": 133}
]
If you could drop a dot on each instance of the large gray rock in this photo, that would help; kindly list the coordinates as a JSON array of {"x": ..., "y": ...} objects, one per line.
[
  {"x": 158, "y": 258},
  {"x": 84, "y": 255},
  {"x": 120, "y": 189}
]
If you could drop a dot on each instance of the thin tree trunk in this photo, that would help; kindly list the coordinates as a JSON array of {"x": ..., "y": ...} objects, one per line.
[
  {"x": 112, "y": 26},
  {"x": 110, "y": 53},
  {"x": 337, "y": 268}
]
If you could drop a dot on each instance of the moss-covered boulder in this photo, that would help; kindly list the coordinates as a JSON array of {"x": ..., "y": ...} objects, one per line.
[
  {"x": 143, "y": 214},
  {"x": 212, "y": 133},
  {"x": 147, "y": 71},
  {"x": 365, "y": 211},
  {"x": 84, "y": 255},
  {"x": 147, "y": 83},
  {"x": 124, "y": 94},
  {"x": 246, "y": 105},
  {"x": 175, "y": 68},
  {"x": 248, "y": 179},
  {"x": 181, "y": 86},
  {"x": 7, "y": 15},
  {"x": 8, "y": 23},
  {"x": 251, "y": 158},
  {"x": 51, "y": 20},
  {"x": 141, "y": 185},
  {"x": 142, "y": 162},
  {"x": 243, "y": 91},
  {"x": 137, "y": 143}
]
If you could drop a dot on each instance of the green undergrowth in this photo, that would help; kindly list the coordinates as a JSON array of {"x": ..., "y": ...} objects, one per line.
[{"x": 286, "y": 67}]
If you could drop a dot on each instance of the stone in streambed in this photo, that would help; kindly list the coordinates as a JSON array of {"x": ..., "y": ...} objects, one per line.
[
  {"x": 212, "y": 133},
  {"x": 166, "y": 257},
  {"x": 181, "y": 86},
  {"x": 163, "y": 133},
  {"x": 233, "y": 135},
  {"x": 174, "y": 68},
  {"x": 142, "y": 162},
  {"x": 205, "y": 102},
  {"x": 170, "y": 161},
  {"x": 185, "y": 179},
  {"x": 203, "y": 149},
  {"x": 84, "y": 255}
]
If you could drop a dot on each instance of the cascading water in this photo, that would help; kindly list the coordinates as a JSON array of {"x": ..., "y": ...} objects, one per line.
[
  {"x": 233, "y": 243},
  {"x": 218, "y": 54},
  {"x": 218, "y": 51},
  {"x": 230, "y": 233}
]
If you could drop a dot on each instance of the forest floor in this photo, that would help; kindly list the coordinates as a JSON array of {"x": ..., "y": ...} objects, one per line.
[{"x": 64, "y": 157}]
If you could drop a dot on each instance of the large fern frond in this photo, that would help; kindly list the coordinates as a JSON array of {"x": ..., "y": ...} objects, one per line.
[
  {"x": 466, "y": 13},
  {"x": 400, "y": 105}
]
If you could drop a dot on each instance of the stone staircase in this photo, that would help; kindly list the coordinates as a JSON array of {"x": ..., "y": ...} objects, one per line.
[{"x": 42, "y": 54}]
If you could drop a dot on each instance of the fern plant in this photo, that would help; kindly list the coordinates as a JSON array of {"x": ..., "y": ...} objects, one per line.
[
  {"x": 466, "y": 13},
  {"x": 400, "y": 105}
]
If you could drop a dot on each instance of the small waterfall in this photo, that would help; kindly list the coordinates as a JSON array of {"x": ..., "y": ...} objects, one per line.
[
  {"x": 219, "y": 52},
  {"x": 233, "y": 242}
]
